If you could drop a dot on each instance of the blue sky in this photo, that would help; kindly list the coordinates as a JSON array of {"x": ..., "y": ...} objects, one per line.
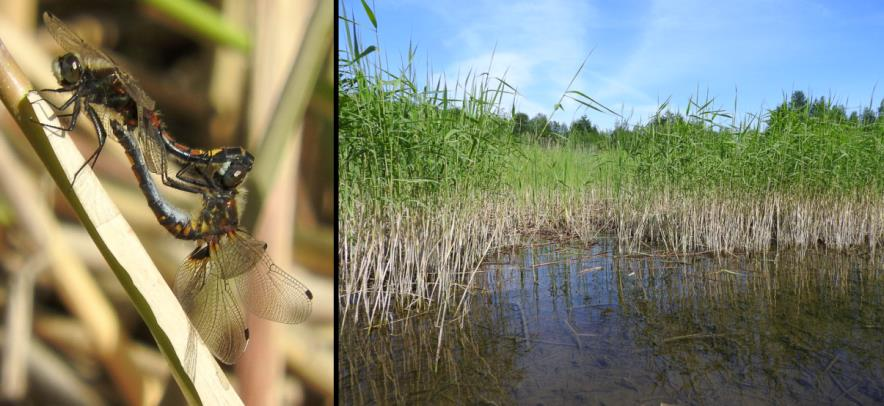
[{"x": 750, "y": 51}]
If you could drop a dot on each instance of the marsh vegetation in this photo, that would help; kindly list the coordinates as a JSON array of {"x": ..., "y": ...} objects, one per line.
[{"x": 437, "y": 178}]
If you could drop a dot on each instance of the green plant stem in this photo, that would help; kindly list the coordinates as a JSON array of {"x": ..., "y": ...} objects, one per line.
[
  {"x": 290, "y": 108},
  {"x": 205, "y": 20}
]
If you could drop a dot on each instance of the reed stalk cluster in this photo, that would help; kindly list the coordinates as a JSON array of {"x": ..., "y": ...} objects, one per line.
[{"x": 434, "y": 177}]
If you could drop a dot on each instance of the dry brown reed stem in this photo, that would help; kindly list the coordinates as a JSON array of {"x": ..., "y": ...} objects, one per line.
[
  {"x": 406, "y": 259},
  {"x": 56, "y": 381},
  {"x": 273, "y": 61},
  {"x": 741, "y": 224},
  {"x": 21, "y": 13},
  {"x": 311, "y": 356},
  {"x": 28, "y": 51},
  {"x": 290, "y": 102},
  {"x": 227, "y": 79},
  {"x": 278, "y": 35},
  {"x": 261, "y": 368},
  {"x": 19, "y": 314},
  {"x": 75, "y": 285},
  {"x": 69, "y": 336}
]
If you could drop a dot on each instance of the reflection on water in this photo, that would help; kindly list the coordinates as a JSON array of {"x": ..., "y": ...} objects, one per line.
[
  {"x": 413, "y": 362},
  {"x": 554, "y": 325}
]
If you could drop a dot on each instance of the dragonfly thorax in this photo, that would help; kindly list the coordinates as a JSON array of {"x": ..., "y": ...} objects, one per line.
[{"x": 219, "y": 214}]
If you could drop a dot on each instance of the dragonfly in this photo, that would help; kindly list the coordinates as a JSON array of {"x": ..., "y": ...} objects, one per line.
[
  {"x": 107, "y": 93},
  {"x": 229, "y": 272}
]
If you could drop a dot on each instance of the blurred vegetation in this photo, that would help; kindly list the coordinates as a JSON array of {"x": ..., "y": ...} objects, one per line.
[{"x": 214, "y": 75}]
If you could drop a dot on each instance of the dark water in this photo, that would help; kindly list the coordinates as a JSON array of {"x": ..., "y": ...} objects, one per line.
[{"x": 556, "y": 325}]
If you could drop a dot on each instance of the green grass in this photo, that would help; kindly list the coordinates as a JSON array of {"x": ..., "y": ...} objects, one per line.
[
  {"x": 401, "y": 142},
  {"x": 796, "y": 154},
  {"x": 536, "y": 167}
]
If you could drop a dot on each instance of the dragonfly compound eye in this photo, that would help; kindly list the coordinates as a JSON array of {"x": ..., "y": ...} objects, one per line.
[
  {"x": 234, "y": 177},
  {"x": 231, "y": 175},
  {"x": 67, "y": 69},
  {"x": 234, "y": 172}
]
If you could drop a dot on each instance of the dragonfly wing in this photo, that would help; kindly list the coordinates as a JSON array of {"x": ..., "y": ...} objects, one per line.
[
  {"x": 72, "y": 42},
  {"x": 135, "y": 91},
  {"x": 152, "y": 147},
  {"x": 238, "y": 253},
  {"x": 95, "y": 58},
  {"x": 213, "y": 303},
  {"x": 274, "y": 294},
  {"x": 271, "y": 293}
]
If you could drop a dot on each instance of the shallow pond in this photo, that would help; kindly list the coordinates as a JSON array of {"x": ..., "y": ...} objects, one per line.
[{"x": 550, "y": 324}]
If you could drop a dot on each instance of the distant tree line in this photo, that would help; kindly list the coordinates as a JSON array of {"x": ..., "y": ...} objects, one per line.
[
  {"x": 583, "y": 133},
  {"x": 801, "y": 108}
]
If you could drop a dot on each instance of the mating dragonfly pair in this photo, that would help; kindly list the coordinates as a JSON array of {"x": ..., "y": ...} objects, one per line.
[{"x": 229, "y": 272}]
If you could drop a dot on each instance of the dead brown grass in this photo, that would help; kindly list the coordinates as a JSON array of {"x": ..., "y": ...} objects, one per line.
[{"x": 407, "y": 258}]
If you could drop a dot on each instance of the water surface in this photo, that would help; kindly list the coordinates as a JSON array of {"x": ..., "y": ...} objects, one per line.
[{"x": 551, "y": 324}]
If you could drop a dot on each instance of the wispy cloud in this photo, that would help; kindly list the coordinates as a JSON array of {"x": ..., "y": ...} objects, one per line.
[
  {"x": 646, "y": 50},
  {"x": 538, "y": 44}
]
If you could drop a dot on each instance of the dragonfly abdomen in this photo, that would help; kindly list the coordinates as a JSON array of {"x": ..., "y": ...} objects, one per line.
[{"x": 173, "y": 219}]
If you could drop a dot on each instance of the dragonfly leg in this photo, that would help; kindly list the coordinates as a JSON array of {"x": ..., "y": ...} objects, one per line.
[
  {"x": 177, "y": 183},
  {"x": 102, "y": 138},
  {"x": 59, "y": 90},
  {"x": 183, "y": 183},
  {"x": 203, "y": 180},
  {"x": 73, "y": 115},
  {"x": 183, "y": 186}
]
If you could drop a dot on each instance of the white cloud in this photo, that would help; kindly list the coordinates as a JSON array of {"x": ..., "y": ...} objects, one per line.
[
  {"x": 515, "y": 68},
  {"x": 538, "y": 44},
  {"x": 646, "y": 53}
]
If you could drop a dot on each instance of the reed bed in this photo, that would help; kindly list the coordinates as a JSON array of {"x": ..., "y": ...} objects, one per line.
[
  {"x": 736, "y": 223},
  {"x": 407, "y": 259},
  {"x": 434, "y": 177}
]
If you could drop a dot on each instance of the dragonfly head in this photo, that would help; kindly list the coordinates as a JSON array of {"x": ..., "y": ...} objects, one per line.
[
  {"x": 234, "y": 170},
  {"x": 68, "y": 69}
]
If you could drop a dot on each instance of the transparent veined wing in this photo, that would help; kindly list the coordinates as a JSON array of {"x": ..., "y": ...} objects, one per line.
[
  {"x": 219, "y": 281},
  {"x": 213, "y": 303},
  {"x": 95, "y": 58},
  {"x": 271, "y": 293}
]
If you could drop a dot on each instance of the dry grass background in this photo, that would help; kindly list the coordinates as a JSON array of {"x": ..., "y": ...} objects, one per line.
[
  {"x": 406, "y": 259},
  {"x": 212, "y": 96}
]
